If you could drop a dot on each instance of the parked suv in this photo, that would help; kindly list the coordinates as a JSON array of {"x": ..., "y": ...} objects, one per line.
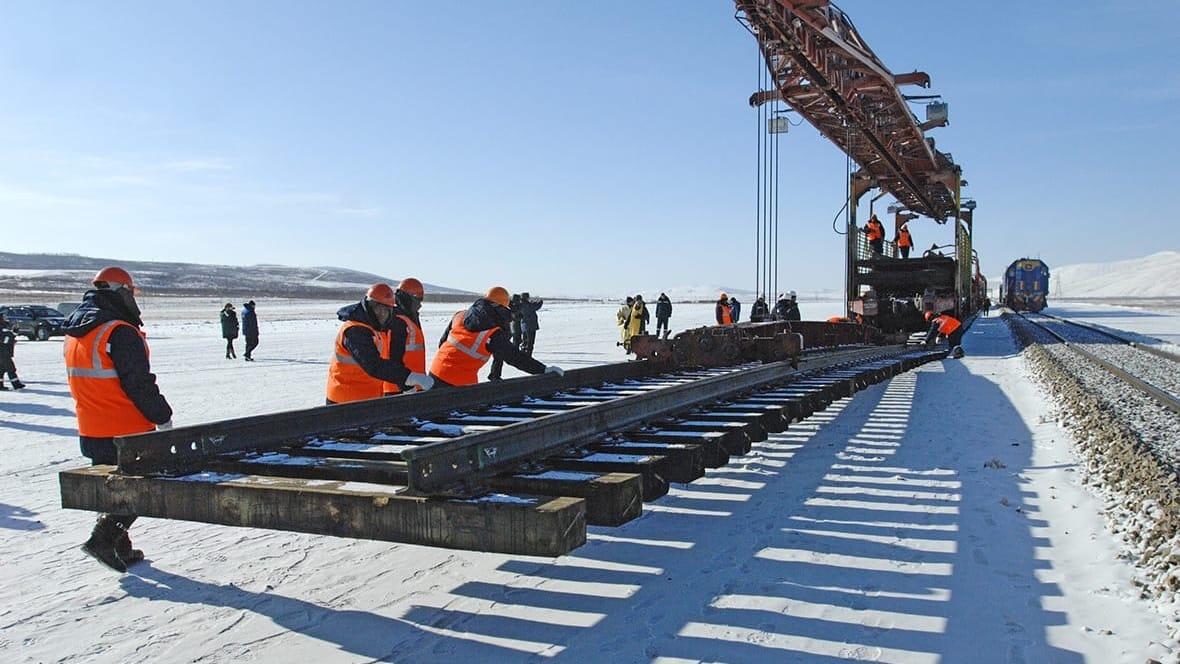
[{"x": 34, "y": 321}]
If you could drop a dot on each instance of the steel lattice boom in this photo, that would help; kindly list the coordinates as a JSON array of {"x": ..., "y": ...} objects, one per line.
[{"x": 826, "y": 72}]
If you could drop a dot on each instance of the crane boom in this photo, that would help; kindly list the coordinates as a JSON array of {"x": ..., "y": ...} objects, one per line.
[{"x": 822, "y": 68}]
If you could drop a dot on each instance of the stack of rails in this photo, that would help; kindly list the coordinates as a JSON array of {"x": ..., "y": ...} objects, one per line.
[{"x": 519, "y": 466}]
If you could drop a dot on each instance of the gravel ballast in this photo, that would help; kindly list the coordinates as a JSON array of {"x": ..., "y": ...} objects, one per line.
[{"x": 1129, "y": 448}]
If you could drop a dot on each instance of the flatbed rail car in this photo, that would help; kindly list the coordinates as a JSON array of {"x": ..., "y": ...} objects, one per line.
[{"x": 519, "y": 466}]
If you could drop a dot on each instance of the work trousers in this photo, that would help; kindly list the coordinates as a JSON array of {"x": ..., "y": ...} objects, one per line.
[
  {"x": 102, "y": 452},
  {"x": 251, "y": 344},
  {"x": 661, "y": 324},
  {"x": 7, "y": 367}
]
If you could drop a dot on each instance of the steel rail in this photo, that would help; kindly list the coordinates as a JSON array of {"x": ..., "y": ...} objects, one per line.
[
  {"x": 1165, "y": 398},
  {"x": 1123, "y": 340},
  {"x": 442, "y": 467}
]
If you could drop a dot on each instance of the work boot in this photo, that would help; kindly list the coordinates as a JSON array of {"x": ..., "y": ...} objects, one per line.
[
  {"x": 127, "y": 554},
  {"x": 101, "y": 545},
  {"x": 17, "y": 385}
]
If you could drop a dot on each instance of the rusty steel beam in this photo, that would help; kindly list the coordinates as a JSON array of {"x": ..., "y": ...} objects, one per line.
[{"x": 825, "y": 71}]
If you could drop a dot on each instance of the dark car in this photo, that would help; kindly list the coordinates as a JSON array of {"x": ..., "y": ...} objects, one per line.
[{"x": 34, "y": 321}]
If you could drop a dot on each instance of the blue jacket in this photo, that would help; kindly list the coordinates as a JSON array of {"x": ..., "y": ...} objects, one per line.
[{"x": 249, "y": 321}]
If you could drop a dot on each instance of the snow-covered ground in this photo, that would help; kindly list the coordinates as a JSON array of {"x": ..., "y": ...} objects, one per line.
[
  {"x": 936, "y": 517},
  {"x": 1152, "y": 327}
]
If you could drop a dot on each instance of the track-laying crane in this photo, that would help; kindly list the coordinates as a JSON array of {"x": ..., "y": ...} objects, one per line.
[{"x": 822, "y": 68}]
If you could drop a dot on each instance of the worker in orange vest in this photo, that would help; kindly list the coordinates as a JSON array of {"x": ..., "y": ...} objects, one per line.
[
  {"x": 358, "y": 370},
  {"x": 875, "y": 233},
  {"x": 405, "y": 338},
  {"x": 947, "y": 326},
  {"x": 115, "y": 393},
  {"x": 904, "y": 241},
  {"x": 476, "y": 335},
  {"x": 723, "y": 311}
]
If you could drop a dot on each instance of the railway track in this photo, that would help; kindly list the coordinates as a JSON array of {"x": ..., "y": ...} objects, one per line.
[
  {"x": 1135, "y": 364},
  {"x": 520, "y": 466}
]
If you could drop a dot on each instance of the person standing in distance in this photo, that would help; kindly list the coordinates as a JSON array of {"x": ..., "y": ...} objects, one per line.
[
  {"x": 229, "y": 329},
  {"x": 663, "y": 314},
  {"x": 249, "y": 329},
  {"x": 7, "y": 353},
  {"x": 115, "y": 393}
]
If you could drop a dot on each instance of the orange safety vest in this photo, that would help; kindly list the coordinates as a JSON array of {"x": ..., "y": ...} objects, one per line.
[
  {"x": 726, "y": 314},
  {"x": 948, "y": 324},
  {"x": 414, "y": 355},
  {"x": 875, "y": 230},
  {"x": 462, "y": 355},
  {"x": 347, "y": 381},
  {"x": 904, "y": 239},
  {"x": 104, "y": 409}
]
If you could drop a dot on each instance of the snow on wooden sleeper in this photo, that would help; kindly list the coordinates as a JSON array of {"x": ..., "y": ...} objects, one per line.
[{"x": 562, "y": 475}]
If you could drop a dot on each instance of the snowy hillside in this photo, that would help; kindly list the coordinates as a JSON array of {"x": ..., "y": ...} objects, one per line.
[
  {"x": 64, "y": 273},
  {"x": 700, "y": 293},
  {"x": 1157, "y": 275}
]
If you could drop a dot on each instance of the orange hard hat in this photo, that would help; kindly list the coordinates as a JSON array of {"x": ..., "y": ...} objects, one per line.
[
  {"x": 498, "y": 294},
  {"x": 382, "y": 293},
  {"x": 412, "y": 286},
  {"x": 113, "y": 278}
]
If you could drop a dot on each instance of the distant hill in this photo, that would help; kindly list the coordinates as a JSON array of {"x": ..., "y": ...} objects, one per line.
[
  {"x": 700, "y": 293},
  {"x": 1156, "y": 275},
  {"x": 66, "y": 273}
]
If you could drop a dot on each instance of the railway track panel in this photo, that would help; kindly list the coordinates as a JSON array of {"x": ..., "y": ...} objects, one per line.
[{"x": 522, "y": 472}]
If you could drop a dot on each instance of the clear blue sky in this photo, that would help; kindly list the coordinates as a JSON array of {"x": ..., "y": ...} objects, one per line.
[{"x": 556, "y": 147}]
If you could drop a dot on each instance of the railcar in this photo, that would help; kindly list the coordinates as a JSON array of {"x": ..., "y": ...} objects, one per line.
[{"x": 1026, "y": 285}]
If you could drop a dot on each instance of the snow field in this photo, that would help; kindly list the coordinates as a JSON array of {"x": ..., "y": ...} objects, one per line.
[{"x": 935, "y": 517}]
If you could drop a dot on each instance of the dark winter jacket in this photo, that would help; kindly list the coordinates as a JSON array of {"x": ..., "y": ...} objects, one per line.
[
  {"x": 130, "y": 358},
  {"x": 229, "y": 324},
  {"x": 786, "y": 309},
  {"x": 7, "y": 341},
  {"x": 358, "y": 341},
  {"x": 663, "y": 308},
  {"x": 735, "y": 308},
  {"x": 249, "y": 321},
  {"x": 760, "y": 311},
  {"x": 528, "y": 314},
  {"x": 486, "y": 315}
]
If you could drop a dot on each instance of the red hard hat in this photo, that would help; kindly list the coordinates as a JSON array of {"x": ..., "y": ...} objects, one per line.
[
  {"x": 499, "y": 295},
  {"x": 412, "y": 286},
  {"x": 382, "y": 293},
  {"x": 113, "y": 278}
]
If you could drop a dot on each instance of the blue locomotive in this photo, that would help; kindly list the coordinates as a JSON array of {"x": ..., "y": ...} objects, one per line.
[{"x": 1026, "y": 285}]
